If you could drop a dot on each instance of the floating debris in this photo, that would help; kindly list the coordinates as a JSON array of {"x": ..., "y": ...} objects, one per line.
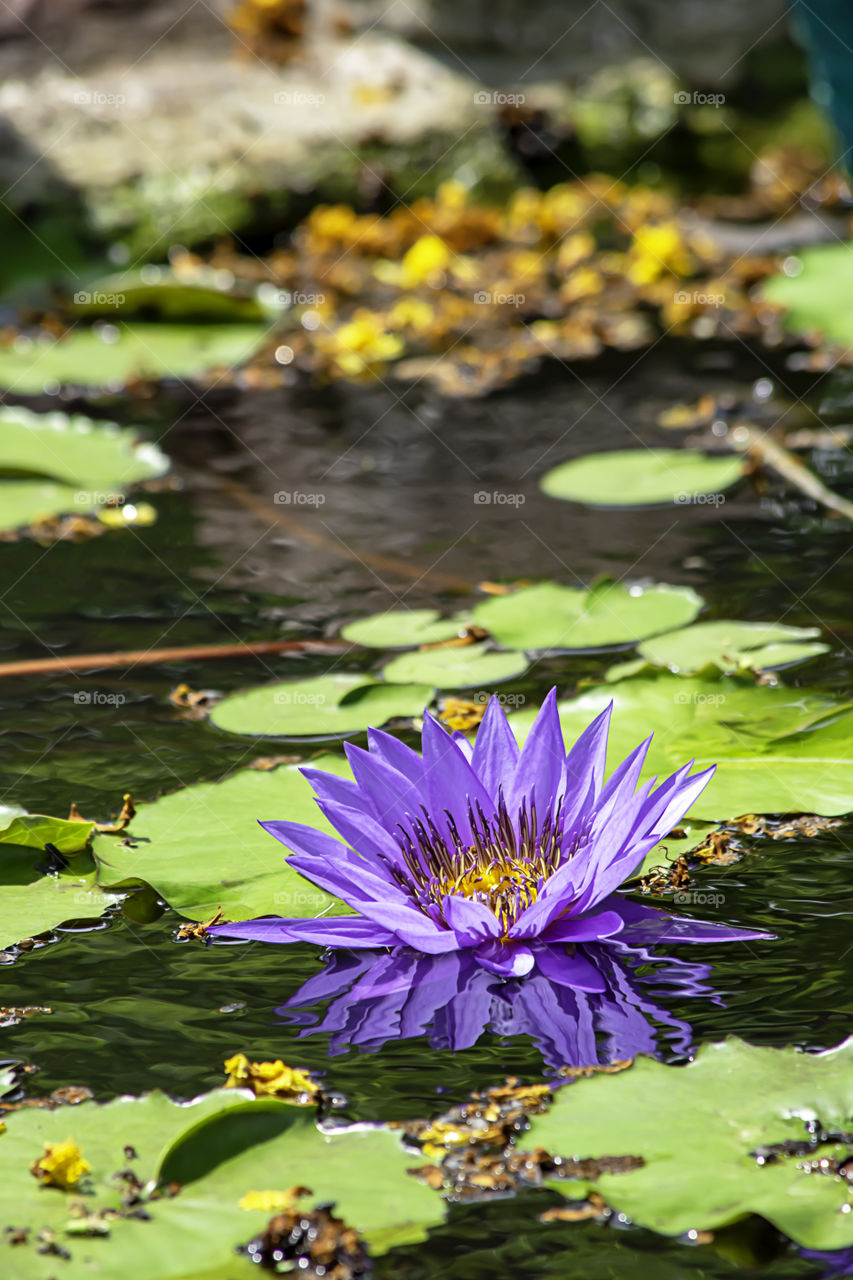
[
  {"x": 313, "y": 1243},
  {"x": 62, "y": 1165},
  {"x": 271, "y": 1079},
  {"x": 195, "y": 930}
]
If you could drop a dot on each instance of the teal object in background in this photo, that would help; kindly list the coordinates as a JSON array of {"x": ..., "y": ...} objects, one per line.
[{"x": 825, "y": 28}]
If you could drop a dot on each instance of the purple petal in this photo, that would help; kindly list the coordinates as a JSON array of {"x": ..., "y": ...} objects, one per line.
[
  {"x": 325, "y": 931},
  {"x": 539, "y": 773},
  {"x": 393, "y": 752},
  {"x": 495, "y": 750},
  {"x": 451, "y": 783},
  {"x": 569, "y": 971},
  {"x": 584, "y": 928},
  {"x": 509, "y": 960},
  {"x": 471, "y": 921}
]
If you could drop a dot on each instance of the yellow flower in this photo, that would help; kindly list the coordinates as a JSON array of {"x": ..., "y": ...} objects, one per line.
[
  {"x": 62, "y": 1165},
  {"x": 428, "y": 258},
  {"x": 361, "y": 344},
  {"x": 411, "y": 313},
  {"x": 658, "y": 248},
  {"x": 459, "y": 713},
  {"x": 272, "y": 1079},
  {"x": 272, "y": 1201}
]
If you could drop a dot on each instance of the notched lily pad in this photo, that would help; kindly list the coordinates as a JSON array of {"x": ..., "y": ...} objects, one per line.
[
  {"x": 642, "y": 477},
  {"x": 551, "y": 616},
  {"x": 698, "y": 1130},
  {"x": 329, "y": 706},
  {"x": 731, "y": 645}
]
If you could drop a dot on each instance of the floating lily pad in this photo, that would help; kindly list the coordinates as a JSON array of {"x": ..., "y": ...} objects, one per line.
[
  {"x": 224, "y": 1145},
  {"x": 75, "y": 449},
  {"x": 729, "y": 645},
  {"x": 641, "y": 477},
  {"x": 402, "y": 629},
  {"x": 33, "y": 901},
  {"x": 326, "y": 707},
  {"x": 35, "y": 830},
  {"x": 156, "y": 292},
  {"x": 695, "y": 1128},
  {"x": 456, "y": 667},
  {"x": 72, "y": 464},
  {"x": 202, "y": 848},
  {"x": 777, "y": 750},
  {"x": 818, "y": 296},
  {"x": 115, "y": 353},
  {"x": 550, "y": 616}
]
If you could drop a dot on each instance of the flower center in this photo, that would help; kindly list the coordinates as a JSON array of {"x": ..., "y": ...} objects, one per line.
[{"x": 504, "y": 865}]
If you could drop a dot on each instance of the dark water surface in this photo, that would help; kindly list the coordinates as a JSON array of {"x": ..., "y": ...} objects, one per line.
[{"x": 134, "y": 1009}]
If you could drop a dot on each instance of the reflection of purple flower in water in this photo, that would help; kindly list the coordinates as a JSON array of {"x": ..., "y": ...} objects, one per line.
[
  {"x": 594, "y": 1012},
  {"x": 838, "y": 1262},
  {"x": 509, "y": 856}
]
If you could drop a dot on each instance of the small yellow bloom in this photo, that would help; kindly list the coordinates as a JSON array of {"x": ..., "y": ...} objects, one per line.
[
  {"x": 272, "y": 1201},
  {"x": 62, "y": 1165},
  {"x": 272, "y": 1079},
  {"x": 658, "y": 248},
  {"x": 411, "y": 313},
  {"x": 428, "y": 258},
  {"x": 460, "y": 714}
]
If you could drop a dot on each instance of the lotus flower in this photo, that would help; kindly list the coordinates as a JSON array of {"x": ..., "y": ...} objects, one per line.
[
  {"x": 502, "y": 852},
  {"x": 369, "y": 998}
]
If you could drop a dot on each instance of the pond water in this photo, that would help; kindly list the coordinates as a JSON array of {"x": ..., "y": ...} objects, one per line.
[{"x": 402, "y": 474}]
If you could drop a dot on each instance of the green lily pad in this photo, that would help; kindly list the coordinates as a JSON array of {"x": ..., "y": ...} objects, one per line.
[
  {"x": 53, "y": 464},
  {"x": 818, "y": 296},
  {"x": 695, "y": 1127},
  {"x": 222, "y": 1145},
  {"x": 33, "y": 902},
  {"x": 35, "y": 830},
  {"x": 202, "y": 848},
  {"x": 115, "y": 353},
  {"x": 641, "y": 477},
  {"x": 550, "y": 616},
  {"x": 777, "y": 750},
  {"x": 730, "y": 645},
  {"x": 402, "y": 629},
  {"x": 75, "y": 450},
  {"x": 156, "y": 292},
  {"x": 457, "y": 667},
  {"x": 328, "y": 706}
]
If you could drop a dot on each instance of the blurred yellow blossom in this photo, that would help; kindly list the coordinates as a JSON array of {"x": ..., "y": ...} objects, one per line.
[
  {"x": 62, "y": 1165},
  {"x": 272, "y": 1079}
]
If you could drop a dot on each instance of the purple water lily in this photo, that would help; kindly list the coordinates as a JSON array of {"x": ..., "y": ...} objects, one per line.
[
  {"x": 513, "y": 855},
  {"x": 366, "y": 999}
]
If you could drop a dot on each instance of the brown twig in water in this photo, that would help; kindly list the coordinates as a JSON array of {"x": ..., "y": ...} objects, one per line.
[
  {"x": 312, "y": 537},
  {"x": 769, "y": 453},
  {"x": 180, "y": 653}
]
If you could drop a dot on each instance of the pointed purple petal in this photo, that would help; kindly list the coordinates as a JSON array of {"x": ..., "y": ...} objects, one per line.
[
  {"x": 471, "y": 921},
  {"x": 495, "y": 750},
  {"x": 508, "y": 960},
  {"x": 325, "y": 931},
  {"x": 539, "y": 773},
  {"x": 583, "y": 928}
]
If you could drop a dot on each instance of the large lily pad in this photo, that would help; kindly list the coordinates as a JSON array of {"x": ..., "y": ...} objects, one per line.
[
  {"x": 220, "y": 1147},
  {"x": 550, "y": 616},
  {"x": 115, "y": 353},
  {"x": 776, "y": 749},
  {"x": 329, "y": 706},
  {"x": 641, "y": 477},
  {"x": 53, "y": 463},
  {"x": 202, "y": 848},
  {"x": 402, "y": 629},
  {"x": 35, "y": 830},
  {"x": 456, "y": 667},
  {"x": 695, "y": 1128},
  {"x": 730, "y": 645},
  {"x": 818, "y": 296},
  {"x": 33, "y": 901}
]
